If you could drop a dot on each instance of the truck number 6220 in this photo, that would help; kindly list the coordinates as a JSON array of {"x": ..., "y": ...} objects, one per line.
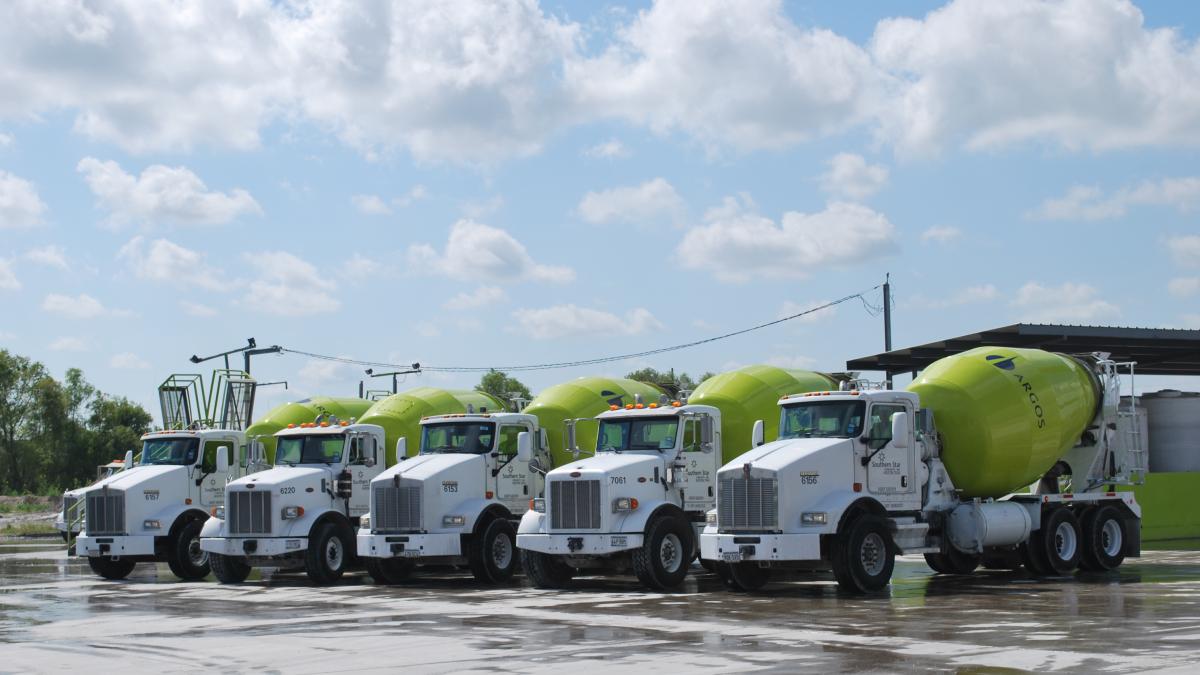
[{"x": 287, "y": 490}]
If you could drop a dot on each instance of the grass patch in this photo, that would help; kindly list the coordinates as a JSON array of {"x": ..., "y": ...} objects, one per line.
[
  {"x": 27, "y": 529},
  {"x": 22, "y": 507}
]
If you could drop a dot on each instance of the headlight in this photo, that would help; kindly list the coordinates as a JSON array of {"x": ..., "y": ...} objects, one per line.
[
  {"x": 151, "y": 525},
  {"x": 813, "y": 518},
  {"x": 454, "y": 521},
  {"x": 364, "y": 521},
  {"x": 623, "y": 504},
  {"x": 711, "y": 517},
  {"x": 217, "y": 512},
  {"x": 291, "y": 512},
  {"x": 538, "y": 504}
]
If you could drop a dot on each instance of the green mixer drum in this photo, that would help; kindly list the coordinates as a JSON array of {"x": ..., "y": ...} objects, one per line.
[
  {"x": 1006, "y": 415},
  {"x": 752, "y": 393},
  {"x": 583, "y": 397},
  {"x": 303, "y": 411},
  {"x": 400, "y": 414}
]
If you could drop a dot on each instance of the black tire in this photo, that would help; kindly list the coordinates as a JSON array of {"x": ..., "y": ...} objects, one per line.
[
  {"x": 546, "y": 571},
  {"x": 726, "y": 577},
  {"x": 863, "y": 555},
  {"x": 328, "y": 554},
  {"x": 228, "y": 569},
  {"x": 953, "y": 561},
  {"x": 1103, "y": 539},
  {"x": 748, "y": 576},
  {"x": 111, "y": 569},
  {"x": 662, "y": 561},
  {"x": 1055, "y": 548},
  {"x": 709, "y": 565},
  {"x": 492, "y": 553},
  {"x": 184, "y": 556},
  {"x": 1033, "y": 556},
  {"x": 389, "y": 571}
]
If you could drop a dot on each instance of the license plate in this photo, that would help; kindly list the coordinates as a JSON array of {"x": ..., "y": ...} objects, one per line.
[
  {"x": 618, "y": 542},
  {"x": 410, "y": 554},
  {"x": 736, "y": 556}
]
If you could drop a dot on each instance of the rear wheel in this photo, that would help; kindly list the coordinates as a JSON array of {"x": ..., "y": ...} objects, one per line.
[
  {"x": 111, "y": 569},
  {"x": 328, "y": 554},
  {"x": 663, "y": 559},
  {"x": 228, "y": 569},
  {"x": 389, "y": 571},
  {"x": 184, "y": 556},
  {"x": 493, "y": 553},
  {"x": 1055, "y": 548},
  {"x": 863, "y": 556},
  {"x": 748, "y": 576},
  {"x": 546, "y": 571},
  {"x": 1103, "y": 539},
  {"x": 953, "y": 561}
]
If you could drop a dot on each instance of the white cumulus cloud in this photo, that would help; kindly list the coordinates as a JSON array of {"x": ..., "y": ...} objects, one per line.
[
  {"x": 371, "y": 205},
  {"x": 8, "y": 278},
  {"x": 49, "y": 255},
  {"x": 82, "y": 306},
  {"x": 164, "y": 261},
  {"x": 942, "y": 234},
  {"x": 737, "y": 244},
  {"x": 479, "y": 252},
  {"x": 851, "y": 176},
  {"x": 20, "y": 205},
  {"x": 287, "y": 285},
  {"x": 1069, "y": 302},
  {"x": 1088, "y": 202},
  {"x": 649, "y": 203},
  {"x": 68, "y": 344},
  {"x": 570, "y": 321},
  {"x": 484, "y": 295},
  {"x": 610, "y": 149},
  {"x": 128, "y": 361},
  {"x": 161, "y": 194}
]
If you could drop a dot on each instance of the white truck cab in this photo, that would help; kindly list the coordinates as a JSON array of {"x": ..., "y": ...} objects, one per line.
[
  {"x": 303, "y": 512},
  {"x": 154, "y": 511},
  {"x": 638, "y": 503},
  {"x": 458, "y": 501}
]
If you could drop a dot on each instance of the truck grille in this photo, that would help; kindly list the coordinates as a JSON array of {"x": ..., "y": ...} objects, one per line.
[
  {"x": 248, "y": 512},
  {"x": 396, "y": 508},
  {"x": 105, "y": 512},
  {"x": 747, "y": 504},
  {"x": 575, "y": 504}
]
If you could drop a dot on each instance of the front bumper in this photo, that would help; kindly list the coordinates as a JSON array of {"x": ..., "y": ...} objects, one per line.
[
  {"x": 371, "y": 545},
  {"x": 254, "y": 547},
  {"x": 114, "y": 545},
  {"x": 580, "y": 544},
  {"x": 739, "y": 547}
]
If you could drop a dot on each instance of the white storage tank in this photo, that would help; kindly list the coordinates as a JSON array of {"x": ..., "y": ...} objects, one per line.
[{"x": 1174, "y": 423}]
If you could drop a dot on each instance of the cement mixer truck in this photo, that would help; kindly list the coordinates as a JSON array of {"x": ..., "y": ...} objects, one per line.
[
  {"x": 459, "y": 500},
  {"x": 302, "y": 514},
  {"x": 858, "y": 476},
  {"x": 639, "y": 502}
]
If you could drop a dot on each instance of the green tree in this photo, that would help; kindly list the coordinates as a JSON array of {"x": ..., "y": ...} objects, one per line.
[
  {"x": 668, "y": 379},
  {"x": 502, "y": 386},
  {"x": 116, "y": 425},
  {"x": 21, "y": 392}
]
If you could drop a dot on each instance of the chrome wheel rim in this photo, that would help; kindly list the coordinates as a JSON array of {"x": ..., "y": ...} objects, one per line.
[
  {"x": 334, "y": 553},
  {"x": 872, "y": 554},
  {"x": 502, "y": 551},
  {"x": 1111, "y": 538},
  {"x": 670, "y": 553},
  {"x": 1065, "y": 541},
  {"x": 196, "y": 555}
]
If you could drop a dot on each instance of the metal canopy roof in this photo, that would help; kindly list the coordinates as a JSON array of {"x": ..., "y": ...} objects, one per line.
[{"x": 1158, "y": 351}]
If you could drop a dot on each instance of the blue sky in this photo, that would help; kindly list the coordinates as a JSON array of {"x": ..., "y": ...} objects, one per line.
[{"x": 510, "y": 183}]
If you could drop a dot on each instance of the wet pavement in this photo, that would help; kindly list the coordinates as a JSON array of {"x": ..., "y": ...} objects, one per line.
[{"x": 55, "y": 615}]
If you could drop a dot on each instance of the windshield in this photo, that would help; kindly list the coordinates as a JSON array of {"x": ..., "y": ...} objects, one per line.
[
  {"x": 823, "y": 419},
  {"x": 470, "y": 438},
  {"x": 315, "y": 449},
  {"x": 650, "y": 433},
  {"x": 178, "y": 451}
]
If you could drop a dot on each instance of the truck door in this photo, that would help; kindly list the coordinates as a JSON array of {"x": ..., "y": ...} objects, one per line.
[
  {"x": 364, "y": 462},
  {"x": 512, "y": 482},
  {"x": 890, "y": 469},
  {"x": 212, "y": 484},
  {"x": 696, "y": 480}
]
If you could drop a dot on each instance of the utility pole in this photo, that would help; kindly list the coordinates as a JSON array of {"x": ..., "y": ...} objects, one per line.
[
  {"x": 887, "y": 321},
  {"x": 247, "y": 351},
  {"x": 416, "y": 368}
]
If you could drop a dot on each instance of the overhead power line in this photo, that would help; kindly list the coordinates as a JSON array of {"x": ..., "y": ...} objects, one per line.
[{"x": 871, "y": 309}]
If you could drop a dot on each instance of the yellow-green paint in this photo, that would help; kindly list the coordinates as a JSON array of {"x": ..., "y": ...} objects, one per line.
[
  {"x": 584, "y": 397},
  {"x": 305, "y": 410},
  {"x": 400, "y": 414},
  {"x": 752, "y": 393},
  {"x": 1170, "y": 510},
  {"x": 1006, "y": 415}
]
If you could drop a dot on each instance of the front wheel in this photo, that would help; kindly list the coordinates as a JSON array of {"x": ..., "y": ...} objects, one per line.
[
  {"x": 111, "y": 569},
  {"x": 748, "y": 576},
  {"x": 228, "y": 569},
  {"x": 662, "y": 561},
  {"x": 389, "y": 571},
  {"x": 863, "y": 555},
  {"x": 493, "y": 553},
  {"x": 184, "y": 556},
  {"x": 546, "y": 571},
  {"x": 328, "y": 554}
]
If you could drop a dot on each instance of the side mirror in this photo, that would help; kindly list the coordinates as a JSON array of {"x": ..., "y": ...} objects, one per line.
[
  {"x": 707, "y": 434},
  {"x": 401, "y": 449},
  {"x": 900, "y": 430},
  {"x": 524, "y": 447},
  {"x": 571, "y": 447},
  {"x": 757, "y": 436},
  {"x": 128, "y": 464},
  {"x": 223, "y": 459}
]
